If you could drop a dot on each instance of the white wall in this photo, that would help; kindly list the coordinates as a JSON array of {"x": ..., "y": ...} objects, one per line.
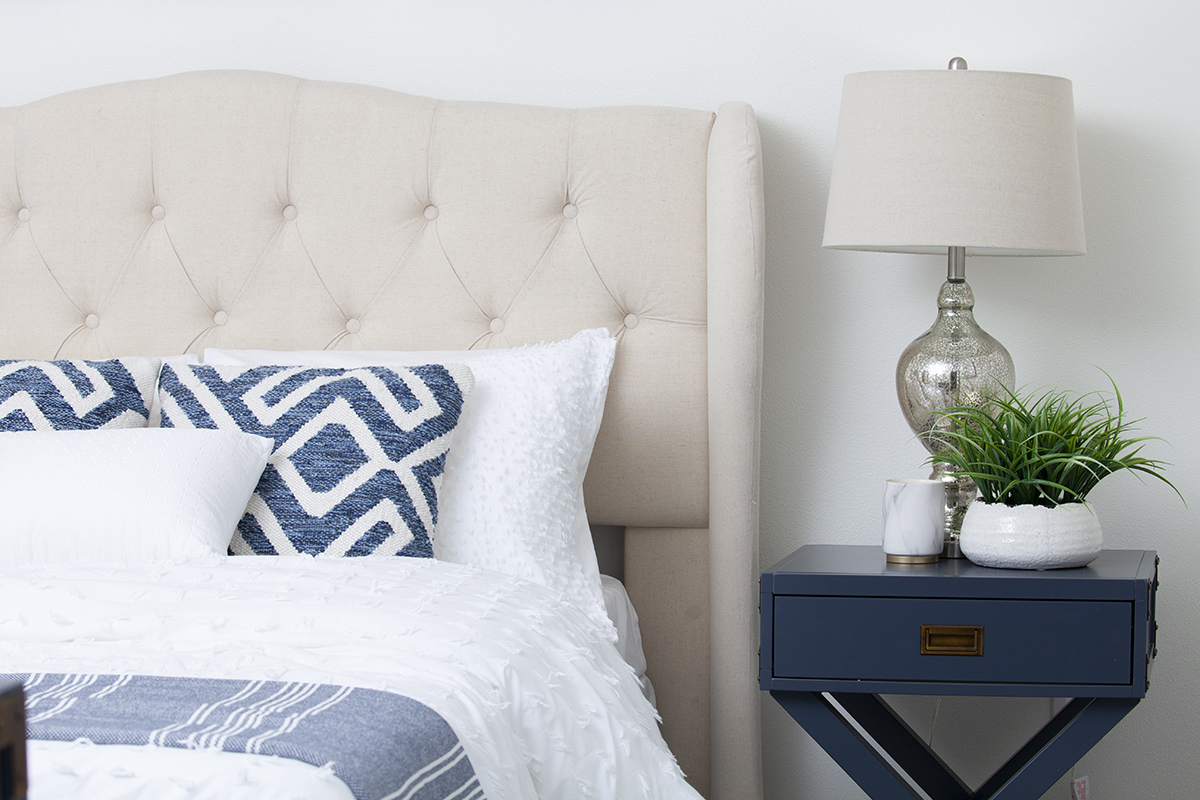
[{"x": 836, "y": 322}]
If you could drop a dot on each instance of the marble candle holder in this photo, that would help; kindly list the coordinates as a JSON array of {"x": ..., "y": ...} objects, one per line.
[{"x": 913, "y": 520}]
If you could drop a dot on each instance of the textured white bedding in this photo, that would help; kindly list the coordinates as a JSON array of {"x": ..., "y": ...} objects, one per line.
[
  {"x": 543, "y": 702},
  {"x": 629, "y": 635},
  {"x": 63, "y": 770}
]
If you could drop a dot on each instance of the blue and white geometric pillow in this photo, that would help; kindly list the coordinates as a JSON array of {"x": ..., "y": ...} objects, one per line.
[
  {"x": 76, "y": 395},
  {"x": 358, "y": 458}
]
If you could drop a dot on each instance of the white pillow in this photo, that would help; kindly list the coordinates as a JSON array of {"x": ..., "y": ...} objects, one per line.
[
  {"x": 512, "y": 493},
  {"x": 136, "y": 494},
  {"x": 156, "y": 402}
]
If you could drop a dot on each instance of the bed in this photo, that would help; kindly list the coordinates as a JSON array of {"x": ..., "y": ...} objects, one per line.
[{"x": 209, "y": 217}]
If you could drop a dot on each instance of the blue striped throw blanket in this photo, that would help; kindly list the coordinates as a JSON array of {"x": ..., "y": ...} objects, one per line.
[{"x": 384, "y": 746}]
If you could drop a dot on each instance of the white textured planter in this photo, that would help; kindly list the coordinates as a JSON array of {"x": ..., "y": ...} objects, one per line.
[{"x": 1031, "y": 537}]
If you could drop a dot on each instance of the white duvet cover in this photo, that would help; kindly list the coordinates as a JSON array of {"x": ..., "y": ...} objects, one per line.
[{"x": 542, "y": 701}]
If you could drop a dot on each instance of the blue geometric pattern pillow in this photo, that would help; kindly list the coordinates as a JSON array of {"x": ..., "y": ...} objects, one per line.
[
  {"x": 358, "y": 457},
  {"x": 71, "y": 395}
]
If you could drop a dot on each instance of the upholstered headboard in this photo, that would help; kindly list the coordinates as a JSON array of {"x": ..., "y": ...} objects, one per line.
[{"x": 251, "y": 210}]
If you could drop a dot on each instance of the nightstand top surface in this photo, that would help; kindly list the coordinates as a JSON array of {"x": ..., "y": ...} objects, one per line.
[{"x": 860, "y": 569}]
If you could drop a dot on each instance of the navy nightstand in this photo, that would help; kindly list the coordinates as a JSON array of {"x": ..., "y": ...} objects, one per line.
[{"x": 841, "y": 626}]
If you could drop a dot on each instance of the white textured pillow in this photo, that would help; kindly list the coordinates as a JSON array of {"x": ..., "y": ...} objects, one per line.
[
  {"x": 512, "y": 493},
  {"x": 137, "y": 494}
]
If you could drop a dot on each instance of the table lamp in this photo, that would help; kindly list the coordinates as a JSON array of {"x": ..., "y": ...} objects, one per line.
[{"x": 962, "y": 162}]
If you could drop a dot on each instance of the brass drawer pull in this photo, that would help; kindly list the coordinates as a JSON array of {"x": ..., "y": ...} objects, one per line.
[{"x": 951, "y": 640}]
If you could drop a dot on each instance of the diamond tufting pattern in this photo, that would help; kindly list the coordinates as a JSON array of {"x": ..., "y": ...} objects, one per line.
[{"x": 234, "y": 209}]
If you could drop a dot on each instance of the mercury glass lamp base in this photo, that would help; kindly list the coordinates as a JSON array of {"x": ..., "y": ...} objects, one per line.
[
  {"x": 960, "y": 492},
  {"x": 953, "y": 364}
]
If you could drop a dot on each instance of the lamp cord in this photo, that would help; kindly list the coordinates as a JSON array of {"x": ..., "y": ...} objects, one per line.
[{"x": 933, "y": 720}]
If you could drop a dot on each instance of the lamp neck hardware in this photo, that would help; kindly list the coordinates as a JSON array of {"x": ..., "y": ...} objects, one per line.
[{"x": 956, "y": 264}]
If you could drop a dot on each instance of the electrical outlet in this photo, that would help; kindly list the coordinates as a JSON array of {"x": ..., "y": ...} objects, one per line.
[{"x": 1079, "y": 789}]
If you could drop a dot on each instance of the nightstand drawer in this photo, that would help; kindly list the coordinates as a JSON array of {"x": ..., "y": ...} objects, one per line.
[{"x": 1021, "y": 641}]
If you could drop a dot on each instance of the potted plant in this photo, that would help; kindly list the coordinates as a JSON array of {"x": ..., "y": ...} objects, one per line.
[{"x": 1034, "y": 458}]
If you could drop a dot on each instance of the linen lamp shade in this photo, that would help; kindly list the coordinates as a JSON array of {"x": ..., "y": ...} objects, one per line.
[{"x": 931, "y": 159}]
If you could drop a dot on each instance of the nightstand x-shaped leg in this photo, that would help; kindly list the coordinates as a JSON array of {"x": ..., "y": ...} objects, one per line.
[{"x": 857, "y": 730}]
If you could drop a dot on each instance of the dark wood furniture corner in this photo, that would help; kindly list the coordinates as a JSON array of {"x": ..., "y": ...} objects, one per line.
[
  {"x": 12, "y": 742},
  {"x": 841, "y": 626}
]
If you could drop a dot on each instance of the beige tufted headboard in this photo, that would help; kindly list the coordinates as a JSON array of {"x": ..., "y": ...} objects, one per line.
[{"x": 252, "y": 210}]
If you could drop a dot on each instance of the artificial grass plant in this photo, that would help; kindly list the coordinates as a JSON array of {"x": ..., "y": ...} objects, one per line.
[{"x": 1044, "y": 447}]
